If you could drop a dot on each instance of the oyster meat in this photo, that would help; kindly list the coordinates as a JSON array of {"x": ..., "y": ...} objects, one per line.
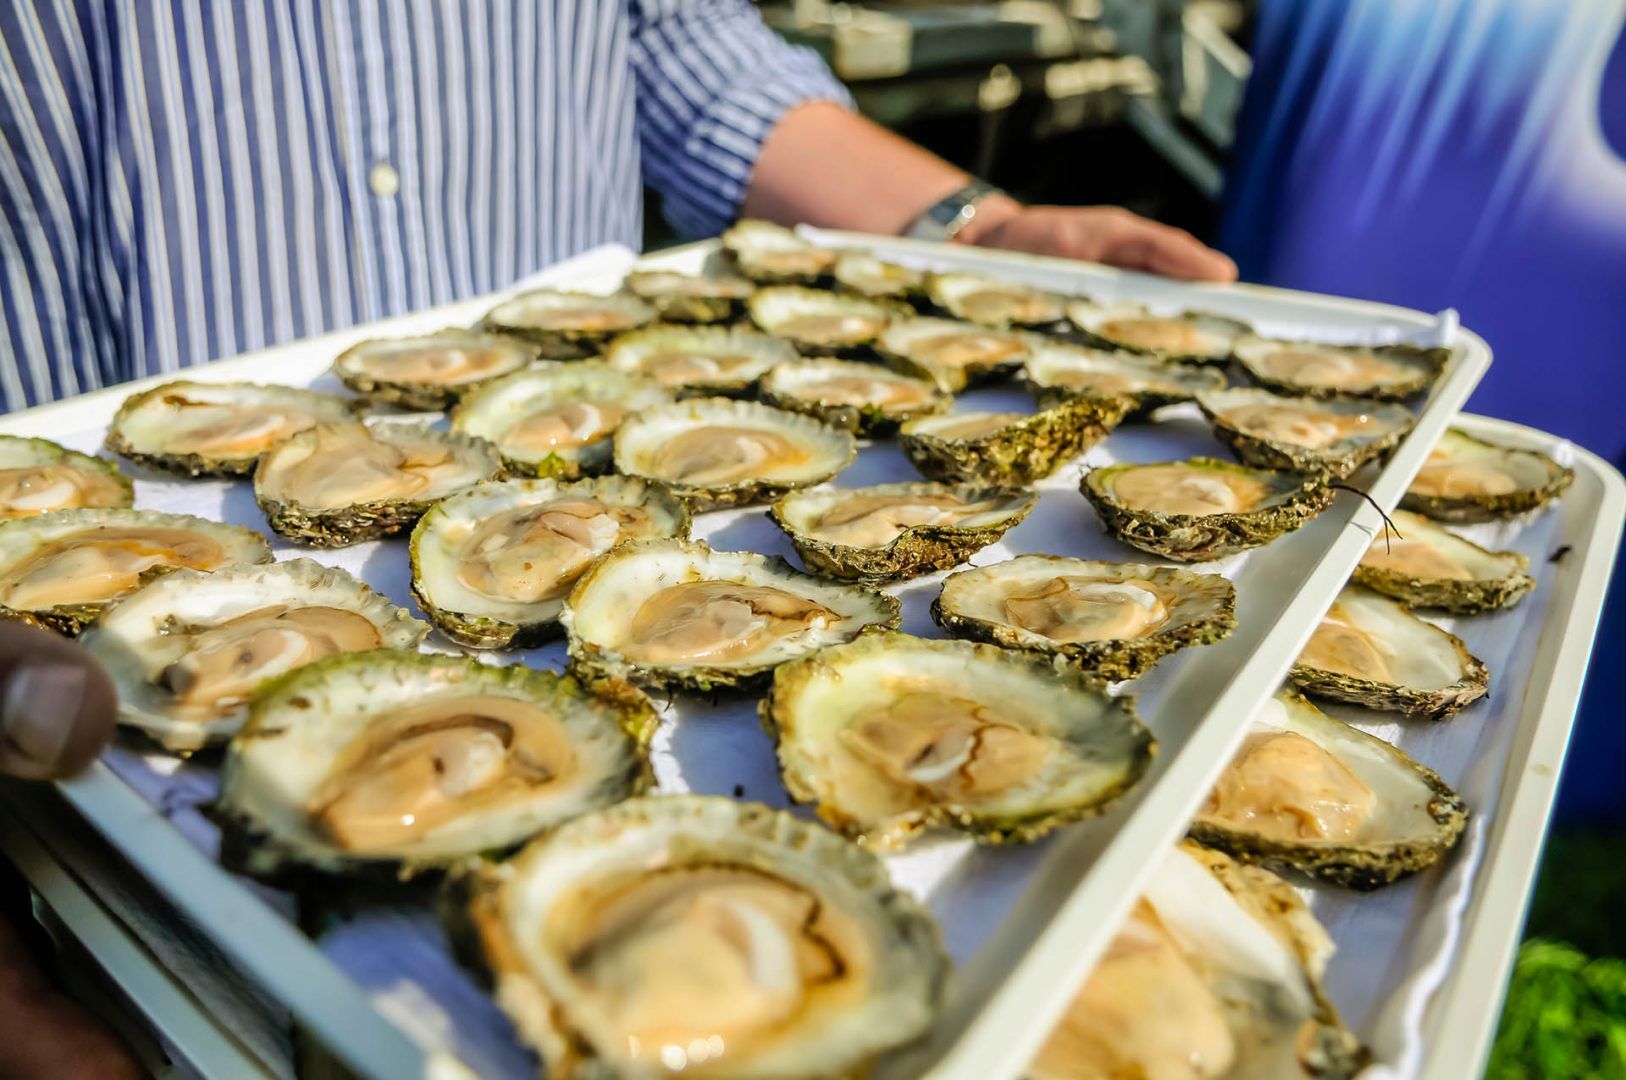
[
  {"x": 216, "y": 429},
  {"x": 339, "y": 484},
  {"x": 1425, "y": 566},
  {"x": 1189, "y": 337},
  {"x": 432, "y": 371},
  {"x": 38, "y": 476},
  {"x": 1370, "y": 651},
  {"x": 774, "y": 255},
  {"x": 491, "y": 566},
  {"x": 865, "y": 274},
  {"x": 1007, "y": 449},
  {"x": 1468, "y": 479},
  {"x": 1114, "y": 620},
  {"x": 951, "y": 353},
  {"x": 567, "y": 325},
  {"x": 674, "y": 614},
  {"x": 1201, "y": 508},
  {"x": 700, "y": 935},
  {"x": 188, "y": 649},
  {"x": 393, "y": 763},
  {"x": 63, "y": 568},
  {"x": 819, "y": 323},
  {"x": 1313, "y": 793},
  {"x": 1385, "y": 372},
  {"x": 697, "y": 361},
  {"x": 891, "y": 734},
  {"x": 715, "y": 452},
  {"x": 862, "y": 398},
  {"x": 1056, "y": 372},
  {"x": 894, "y": 531},
  {"x": 1334, "y": 435},
  {"x": 990, "y": 302},
  {"x": 690, "y": 298}
]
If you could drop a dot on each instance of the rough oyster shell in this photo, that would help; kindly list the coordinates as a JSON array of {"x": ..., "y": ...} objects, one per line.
[
  {"x": 690, "y": 298},
  {"x": 696, "y": 361},
  {"x": 566, "y": 325},
  {"x": 774, "y": 255},
  {"x": 1467, "y": 479},
  {"x": 862, "y": 398},
  {"x": 865, "y": 274},
  {"x": 432, "y": 371},
  {"x": 1332, "y": 435},
  {"x": 1190, "y": 337},
  {"x": 1057, "y": 371},
  {"x": 216, "y": 429},
  {"x": 820, "y": 323},
  {"x": 37, "y": 476},
  {"x": 990, "y": 302},
  {"x": 953, "y": 354},
  {"x": 1311, "y": 369},
  {"x": 1008, "y": 449},
  {"x": 1425, "y": 566}
]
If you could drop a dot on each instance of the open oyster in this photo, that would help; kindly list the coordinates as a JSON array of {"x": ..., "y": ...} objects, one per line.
[
  {"x": 894, "y": 531},
  {"x": 431, "y": 371},
  {"x": 891, "y": 734},
  {"x": 1310, "y": 792},
  {"x": 567, "y": 325},
  {"x": 1190, "y": 337},
  {"x": 1425, "y": 566},
  {"x": 556, "y": 419},
  {"x": 715, "y": 452},
  {"x": 865, "y": 274},
  {"x": 1115, "y": 620},
  {"x": 990, "y": 302},
  {"x": 339, "y": 484},
  {"x": 1385, "y": 372},
  {"x": 862, "y": 398},
  {"x": 696, "y": 934},
  {"x": 774, "y": 255},
  {"x": 1056, "y": 372},
  {"x": 1201, "y": 508},
  {"x": 697, "y": 361},
  {"x": 690, "y": 298},
  {"x": 951, "y": 353},
  {"x": 186, "y": 650},
  {"x": 1370, "y": 651},
  {"x": 398, "y": 762},
  {"x": 672, "y": 613},
  {"x": 1468, "y": 479},
  {"x": 38, "y": 476},
  {"x": 1335, "y": 435},
  {"x": 491, "y": 565},
  {"x": 61, "y": 569},
  {"x": 1008, "y": 449},
  {"x": 819, "y": 323},
  {"x": 216, "y": 429},
  {"x": 1216, "y": 973}
]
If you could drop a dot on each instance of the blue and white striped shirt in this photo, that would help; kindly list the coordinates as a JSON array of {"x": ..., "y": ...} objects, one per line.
[{"x": 182, "y": 180}]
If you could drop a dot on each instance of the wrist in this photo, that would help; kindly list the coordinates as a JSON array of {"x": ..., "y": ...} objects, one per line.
[{"x": 993, "y": 210}]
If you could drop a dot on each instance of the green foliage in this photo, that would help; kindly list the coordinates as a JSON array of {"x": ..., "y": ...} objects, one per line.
[{"x": 1565, "y": 1017}]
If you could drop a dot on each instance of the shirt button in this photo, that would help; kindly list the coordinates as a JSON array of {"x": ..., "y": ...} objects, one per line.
[{"x": 384, "y": 180}]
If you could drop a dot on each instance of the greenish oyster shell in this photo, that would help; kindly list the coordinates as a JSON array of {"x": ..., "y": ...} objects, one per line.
[
  {"x": 820, "y": 323},
  {"x": 1313, "y": 369},
  {"x": 700, "y": 361},
  {"x": 771, "y": 254},
  {"x": 1331, "y": 435},
  {"x": 601, "y": 612},
  {"x": 321, "y": 523},
  {"x": 1058, "y": 371},
  {"x": 1091, "y": 748},
  {"x": 566, "y": 325},
  {"x": 952, "y": 353},
  {"x": 30, "y": 546},
  {"x": 865, "y": 399},
  {"x": 1292, "y": 499},
  {"x": 690, "y": 298},
  {"x": 1425, "y": 566},
  {"x": 1400, "y": 663},
  {"x": 493, "y": 911},
  {"x": 312, "y": 736},
  {"x": 1467, "y": 479},
  {"x": 740, "y": 469},
  {"x": 865, "y": 274},
  {"x": 455, "y": 538},
  {"x": 37, "y": 476},
  {"x": 588, "y": 397},
  {"x": 990, "y": 302},
  {"x": 1187, "y": 337},
  {"x": 156, "y": 641},
  {"x": 1199, "y": 609},
  {"x": 921, "y": 536},
  {"x": 161, "y": 427},
  {"x": 1008, "y": 449},
  {"x": 430, "y": 372},
  {"x": 1415, "y": 819}
]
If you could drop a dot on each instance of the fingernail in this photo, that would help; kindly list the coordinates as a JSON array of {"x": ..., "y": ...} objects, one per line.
[{"x": 37, "y": 713}]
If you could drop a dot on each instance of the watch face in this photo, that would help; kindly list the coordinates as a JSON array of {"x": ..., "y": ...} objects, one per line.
[{"x": 952, "y": 214}]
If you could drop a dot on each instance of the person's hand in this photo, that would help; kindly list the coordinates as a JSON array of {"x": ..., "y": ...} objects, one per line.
[
  {"x": 1105, "y": 234},
  {"x": 57, "y": 705}
]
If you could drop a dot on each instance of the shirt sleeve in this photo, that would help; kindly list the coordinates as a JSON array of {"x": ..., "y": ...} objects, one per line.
[{"x": 712, "y": 81}]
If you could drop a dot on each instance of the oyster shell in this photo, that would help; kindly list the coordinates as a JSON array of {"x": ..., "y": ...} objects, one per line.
[
  {"x": 1370, "y": 651},
  {"x": 696, "y": 361},
  {"x": 491, "y": 565},
  {"x": 1189, "y": 337},
  {"x": 774, "y": 255},
  {"x": 431, "y": 371},
  {"x": 186, "y": 650},
  {"x": 890, "y": 532},
  {"x": 1007, "y": 449},
  {"x": 567, "y": 325},
  {"x": 1056, "y": 372},
  {"x": 819, "y": 323},
  {"x": 1201, "y": 508},
  {"x": 700, "y": 934},
  {"x": 63, "y": 568},
  {"x": 1333, "y": 435},
  {"x": 1425, "y": 566},
  {"x": 862, "y": 398},
  {"x": 672, "y": 613},
  {"x": 1468, "y": 479},
  {"x": 216, "y": 429},
  {"x": 715, "y": 452},
  {"x": 990, "y": 302},
  {"x": 556, "y": 419},
  {"x": 690, "y": 298},
  {"x": 1386, "y": 372},
  {"x": 1313, "y": 793},
  {"x": 891, "y": 735},
  {"x": 38, "y": 476},
  {"x": 865, "y": 274},
  {"x": 340, "y": 484},
  {"x": 1114, "y": 620},
  {"x": 396, "y": 762},
  {"x": 954, "y": 354}
]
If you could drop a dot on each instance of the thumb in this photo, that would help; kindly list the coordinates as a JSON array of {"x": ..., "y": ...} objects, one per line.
[{"x": 57, "y": 705}]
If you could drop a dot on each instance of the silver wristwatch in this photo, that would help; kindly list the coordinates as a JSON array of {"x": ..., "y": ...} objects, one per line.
[{"x": 943, "y": 220}]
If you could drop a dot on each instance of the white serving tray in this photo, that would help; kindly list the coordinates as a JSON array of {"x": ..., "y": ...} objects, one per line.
[{"x": 1027, "y": 924}]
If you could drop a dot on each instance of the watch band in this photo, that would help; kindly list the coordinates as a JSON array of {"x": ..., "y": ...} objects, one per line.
[{"x": 944, "y": 219}]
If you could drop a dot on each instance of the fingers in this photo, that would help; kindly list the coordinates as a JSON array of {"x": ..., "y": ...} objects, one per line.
[
  {"x": 57, "y": 706},
  {"x": 1138, "y": 244}
]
